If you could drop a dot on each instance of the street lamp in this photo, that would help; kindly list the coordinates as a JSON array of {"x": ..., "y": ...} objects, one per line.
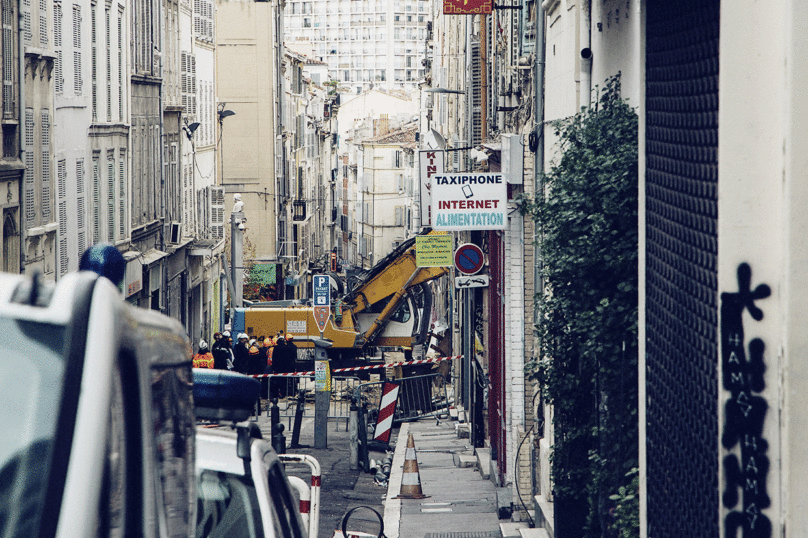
[{"x": 222, "y": 115}]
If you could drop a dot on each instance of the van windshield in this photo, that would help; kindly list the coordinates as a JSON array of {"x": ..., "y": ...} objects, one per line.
[
  {"x": 32, "y": 371},
  {"x": 227, "y": 507}
]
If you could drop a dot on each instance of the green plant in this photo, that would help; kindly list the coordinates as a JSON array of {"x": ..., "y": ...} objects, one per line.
[
  {"x": 587, "y": 221},
  {"x": 627, "y": 506}
]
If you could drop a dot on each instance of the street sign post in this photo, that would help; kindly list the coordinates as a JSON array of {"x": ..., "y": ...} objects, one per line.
[{"x": 321, "y": 293}]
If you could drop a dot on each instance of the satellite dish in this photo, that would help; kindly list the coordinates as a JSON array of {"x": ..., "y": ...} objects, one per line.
[{"x": 434, "y": 140}]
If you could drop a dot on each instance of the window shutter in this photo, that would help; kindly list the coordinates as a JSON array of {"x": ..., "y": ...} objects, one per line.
[
  {"x": 77, "y": 73},
  {"x": 27, "y": 32},
  {"x": 43, "y": 23},
  {"x": 29, "y": 189},
  {"x": 192, "y": 82},
  {"x": 96, "y": 200},
  {"x": 76, "y": 26},
  {"x": 61, "y": 190},
  {"x": 8, "y": 59},
  {"x": 58, "y": 78},
  {"x": 184, "y": 79},
  {"x": 217, "y": 212},
  {"x": 122, "y": 197},
  {"x": 120, "y": 66},
  {"x": 81, "y": 205},
  {"x": 108, "y": 67},
  {"x": 46, "y": 172},
  {"x": 399, "y": 215},
  {"x": 110, "y": 197},
  {"x": 476, "y": 94},
  {"x": 94, "y": 60}
]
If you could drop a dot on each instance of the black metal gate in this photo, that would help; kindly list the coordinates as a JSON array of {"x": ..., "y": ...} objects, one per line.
[{"x": 681, "y": 273}]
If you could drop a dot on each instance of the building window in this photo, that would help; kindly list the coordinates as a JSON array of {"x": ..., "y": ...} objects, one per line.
[
  {"x": 94, "y": 59},
  {"x": 30, "y": 185},
  {"x": 188, "y": 82},
  {"x": 203, "y": 20},
  {"x": 122, "y": 195},
  {"x": 120, "y": 65},
  {"x": 58, "y": 78},
  {"x": 43, "y": 23},
  {"x": 46, "y": 156},
  {"x": 81, "y": 207},
  {"x": 96, "y": 199},
  {"x": 9, "y": 45},
  {"x": 111, "y": 196},
  {"x": 108, "y": 47},
  {"x": 77, "y": 74}
]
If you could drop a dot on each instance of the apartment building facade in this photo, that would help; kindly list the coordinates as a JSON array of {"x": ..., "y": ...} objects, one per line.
[
  {"x": 12, "y": 169},
  {"x": 366, "y": 43}
]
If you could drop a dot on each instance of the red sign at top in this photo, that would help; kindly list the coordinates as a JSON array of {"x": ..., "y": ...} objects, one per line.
[{"x": 467, "y": 7}]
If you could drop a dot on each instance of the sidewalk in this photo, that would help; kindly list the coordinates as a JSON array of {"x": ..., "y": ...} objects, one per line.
[{"x": 460, "y": 502}]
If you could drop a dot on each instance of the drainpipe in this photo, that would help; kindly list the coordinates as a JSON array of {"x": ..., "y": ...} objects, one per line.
[
  {"x": 538, "y": 167},
  {"x": 585, "y": 59},
  {"x": 21, "y": 88}
]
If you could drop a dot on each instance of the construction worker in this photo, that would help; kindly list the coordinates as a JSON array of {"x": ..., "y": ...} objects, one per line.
[{"x": 203, "y": 358}]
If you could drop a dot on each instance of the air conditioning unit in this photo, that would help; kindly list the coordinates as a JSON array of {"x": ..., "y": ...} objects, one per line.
[{"x": 175, "y": 232}]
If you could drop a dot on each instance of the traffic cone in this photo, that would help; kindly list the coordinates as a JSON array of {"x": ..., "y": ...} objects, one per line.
[{"x": 411, "y": 479}]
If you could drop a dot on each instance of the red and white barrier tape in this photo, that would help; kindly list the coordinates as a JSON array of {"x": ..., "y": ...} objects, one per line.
[{"x": 360, "y": 368}]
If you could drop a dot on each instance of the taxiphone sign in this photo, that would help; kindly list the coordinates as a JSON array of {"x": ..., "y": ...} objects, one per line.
[{"x": 469, "y": 201}]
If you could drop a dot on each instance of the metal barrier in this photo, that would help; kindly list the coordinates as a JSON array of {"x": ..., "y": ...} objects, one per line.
[
  {"x": 418, "y": 396},
  {"x": 288, "y": 388}
]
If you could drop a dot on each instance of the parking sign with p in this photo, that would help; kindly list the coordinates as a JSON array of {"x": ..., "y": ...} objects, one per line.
[{"x": 321, "y": 294}]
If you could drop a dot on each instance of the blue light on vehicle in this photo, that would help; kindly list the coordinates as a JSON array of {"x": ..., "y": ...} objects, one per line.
[
  {"x": 222, "y": 395},
  {"x": 105, "y": 260}
]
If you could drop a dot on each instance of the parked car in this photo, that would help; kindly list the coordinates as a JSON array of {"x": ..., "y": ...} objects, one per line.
[{"x": 243, "y": 490}]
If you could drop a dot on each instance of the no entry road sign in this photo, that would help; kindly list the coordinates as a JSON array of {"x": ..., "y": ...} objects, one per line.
[{"x": 469, "y": 259}]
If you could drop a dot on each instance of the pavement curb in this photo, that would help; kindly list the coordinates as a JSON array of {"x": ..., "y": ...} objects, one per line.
[{"x": 392, "y": 506}]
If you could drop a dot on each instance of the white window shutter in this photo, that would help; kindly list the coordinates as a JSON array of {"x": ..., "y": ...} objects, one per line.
[
  {"x": 30, "y": 183},
  {"x": 27, "y": 32},
  {"x": 217, "y": 212},
  {"x": 46, "y": 170},
  {"x": 81, "y": 206},
  {"x": 43, "y": 24},
  {"x": 110, "y": 197},
  {"x": 122, "y": 197},
  {"x": 96, "y": 200},
  {"x": 61, "y": 180}
]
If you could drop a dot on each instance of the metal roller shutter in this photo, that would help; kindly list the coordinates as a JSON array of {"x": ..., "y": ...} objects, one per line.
[{"x": 681, "y": 272}]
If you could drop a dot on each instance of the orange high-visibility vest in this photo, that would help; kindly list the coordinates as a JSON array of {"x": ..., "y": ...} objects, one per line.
[{"x": 203, "y": 360}]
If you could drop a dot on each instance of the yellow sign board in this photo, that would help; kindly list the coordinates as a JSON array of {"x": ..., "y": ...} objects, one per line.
[{"x": 434, "y": 250}]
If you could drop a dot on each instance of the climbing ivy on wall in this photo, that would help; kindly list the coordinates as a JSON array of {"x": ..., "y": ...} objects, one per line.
[{"x": 587, "y": 221}]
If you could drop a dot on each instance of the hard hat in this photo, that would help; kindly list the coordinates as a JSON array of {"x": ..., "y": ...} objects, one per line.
[
  {"x": 289, "y": 337},
  {"x": 203, "y": 344},
  {"x": 252, "y": 341},
  {"x": 226, "y": 333},
  {"x": 242, "y": 336}
]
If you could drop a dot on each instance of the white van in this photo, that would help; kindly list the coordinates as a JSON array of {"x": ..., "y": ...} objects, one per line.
[
  {"x": 96, "y": 414},
  {"x": 242, "y": 487}
]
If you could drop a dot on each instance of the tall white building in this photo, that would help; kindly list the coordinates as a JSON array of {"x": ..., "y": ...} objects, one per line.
[{"x": 366, "y": 43}]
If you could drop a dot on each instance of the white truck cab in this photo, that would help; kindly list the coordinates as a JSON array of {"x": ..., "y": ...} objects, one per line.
[
  {"x": 242, "y": 487},
  {"x": 96, "y": 413}
]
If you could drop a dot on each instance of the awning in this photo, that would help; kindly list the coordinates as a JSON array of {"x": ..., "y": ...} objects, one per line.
[{"x": 152, "y": 256}]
